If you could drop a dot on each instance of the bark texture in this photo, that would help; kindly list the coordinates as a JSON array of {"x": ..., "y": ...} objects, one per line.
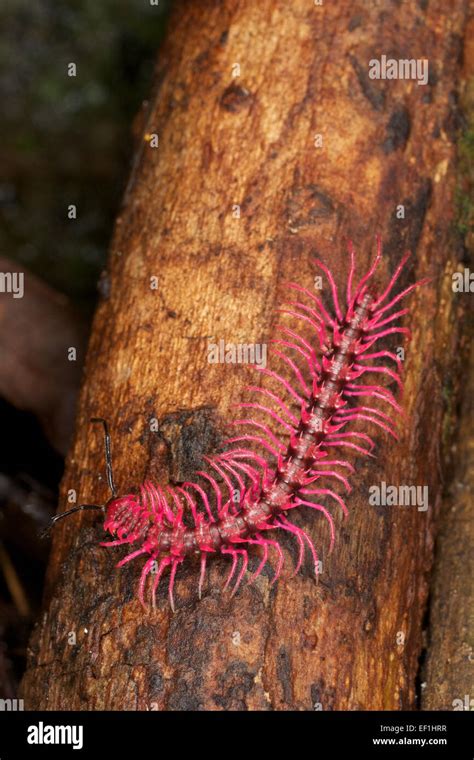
[
  {"x": 448, "y": 681},
  {"x": 448, "y": 677},
  {"x": 353, "y": 640}
]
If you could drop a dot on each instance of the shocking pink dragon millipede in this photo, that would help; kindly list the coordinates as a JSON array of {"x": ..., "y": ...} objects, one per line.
[{"x": 327, "y": 393}]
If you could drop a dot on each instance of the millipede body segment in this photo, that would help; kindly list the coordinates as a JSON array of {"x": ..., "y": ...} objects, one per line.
[{"x": 273, "y": 474}]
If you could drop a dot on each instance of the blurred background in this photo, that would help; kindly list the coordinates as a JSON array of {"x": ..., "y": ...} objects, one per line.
[{"x": 65, "y": 141}]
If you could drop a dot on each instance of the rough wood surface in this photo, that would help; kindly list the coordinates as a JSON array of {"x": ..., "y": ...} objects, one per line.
[
  {"x": 448, "y": 676},
  {"x": 353, "y": 640}
]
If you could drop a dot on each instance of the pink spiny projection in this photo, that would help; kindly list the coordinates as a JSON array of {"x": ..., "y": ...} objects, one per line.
[{"x": 275, "y": 474}]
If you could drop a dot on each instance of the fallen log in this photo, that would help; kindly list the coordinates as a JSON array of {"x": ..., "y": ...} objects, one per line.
[{"x": 265, "y": 141}]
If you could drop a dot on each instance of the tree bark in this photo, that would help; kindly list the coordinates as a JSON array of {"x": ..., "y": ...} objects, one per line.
[
  {"x": 448, "y": 681},
  {"x": 352, "y": 641}
]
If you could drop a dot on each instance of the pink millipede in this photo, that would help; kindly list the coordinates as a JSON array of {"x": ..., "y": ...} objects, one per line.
[{"x": 329, "y": 386}]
